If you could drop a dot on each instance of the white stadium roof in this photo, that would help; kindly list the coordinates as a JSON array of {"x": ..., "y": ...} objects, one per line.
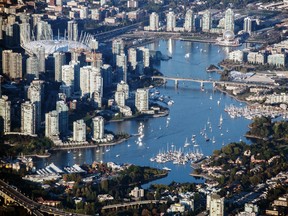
[{"x": 52, "y": 46}]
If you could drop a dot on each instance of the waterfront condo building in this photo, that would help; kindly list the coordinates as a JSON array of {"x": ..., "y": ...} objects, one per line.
[
  {"x": 229, "y": 20},
  {"x": 79, "y": 131},
  {"x": 189, "y": 21},
  {"x": 28, "y": 123},
  {"x": 154, "y": 22},
  {"x": 52, "y": 124},
  {"x": 5, "y": 114},
  {"x": 142, "y": 100},
  {"x": 206, "y": 21},
  {"x": 98, "y": 128},
  {"x": 171, "y": 21}
]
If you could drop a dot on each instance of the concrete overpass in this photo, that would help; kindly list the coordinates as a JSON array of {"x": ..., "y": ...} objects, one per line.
[
  {"x": 213, "y": 82},
  {"x": 12, "y": 195},
  {"x": 135, "y": 204}
]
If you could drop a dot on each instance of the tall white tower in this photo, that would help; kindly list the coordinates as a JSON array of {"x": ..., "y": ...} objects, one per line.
[
  {"x": 206, "y": 21},
  {"x": 154, "y": 22},
  {"x": 51, "y": 124},
  {"x": 132, "y": 58},
  {"x": 145, "y": 56},
  {"x": 121, "y": 64},
  {"x": 32, "y": 67},
  {"x": 229, "y": 20},
  {"x": 247, "y": 25},
  {"x": 35, "y": 94},
  {"x": 142, "y": 100},
  {"x": 28, "y": 122},
  {"x": 72, "y": 30},
  {"x": 41, "y": 58},
  {"x": 5, "y": 114},
  {"x": 98, "y": 127},
  {"x": 171, "y": 21},
  {"x": 117, "y": 49},
  {"x": 189, "y": 21},
  {"x": 25, "y": 32},
  {"x": 59, "y": 61},
  {"x": 120, "y": 98},
  {"x": 62, "y": 110},
  {"x": 79, "y": 131},
  {"x": 122, "y": 86},
  {"x": 43, "y": 31},
  {"x": 90, "y": 81}
]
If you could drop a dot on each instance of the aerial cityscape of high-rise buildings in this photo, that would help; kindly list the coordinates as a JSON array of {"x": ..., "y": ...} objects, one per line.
[{"x": 70, "y": 67}]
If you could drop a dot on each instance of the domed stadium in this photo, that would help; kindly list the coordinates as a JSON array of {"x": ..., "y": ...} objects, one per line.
[
  {"x": 52, "y": 46},
  {"x": 44, "y": 41}
]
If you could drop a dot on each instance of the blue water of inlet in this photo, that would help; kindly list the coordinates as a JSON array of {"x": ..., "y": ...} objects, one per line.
[{"x": 191, "y": 112}]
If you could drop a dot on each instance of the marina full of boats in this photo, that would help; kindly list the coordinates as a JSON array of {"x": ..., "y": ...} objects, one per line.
[
  {"x": 177, "y": 156},
  {"x": 256, "y": 110},
  {"x": 154, "y": 95}
]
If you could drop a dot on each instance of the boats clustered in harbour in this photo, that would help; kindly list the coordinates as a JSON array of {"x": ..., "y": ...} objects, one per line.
[
  {"x": 140, "y": 134},
  {"x": 252, "y": 111},
  {"x": 177, "y": 156},
  {"x": 154, "y": 94}
]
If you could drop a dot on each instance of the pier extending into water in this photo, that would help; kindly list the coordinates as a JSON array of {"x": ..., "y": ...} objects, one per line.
[{"x": 213, "y": 82}]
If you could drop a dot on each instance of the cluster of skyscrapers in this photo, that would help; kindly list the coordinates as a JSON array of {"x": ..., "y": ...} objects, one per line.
[
  {"x": 198, "y": 21},
  {"x": 81, "y": 73}
]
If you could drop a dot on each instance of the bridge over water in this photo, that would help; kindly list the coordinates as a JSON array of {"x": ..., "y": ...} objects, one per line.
[
  {"x": 12, "y": 195},
  {"x": 214, "y": 82}
]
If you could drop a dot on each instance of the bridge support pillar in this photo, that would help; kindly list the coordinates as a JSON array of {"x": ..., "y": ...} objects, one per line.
[
  {"x": 176, "y": 83},
  {"x": 202, "y": 85},
  {"x": 214, "y": 84}
]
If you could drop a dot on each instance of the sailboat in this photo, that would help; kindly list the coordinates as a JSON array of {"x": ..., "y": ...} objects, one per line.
[
  {"x": 220, "y": 121},
  {"x": 186, "y": 144},
  {"x": 206, "y": 138},
  {"x": 187, "y": 55},
  {"x": 213, "y": 140}
]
